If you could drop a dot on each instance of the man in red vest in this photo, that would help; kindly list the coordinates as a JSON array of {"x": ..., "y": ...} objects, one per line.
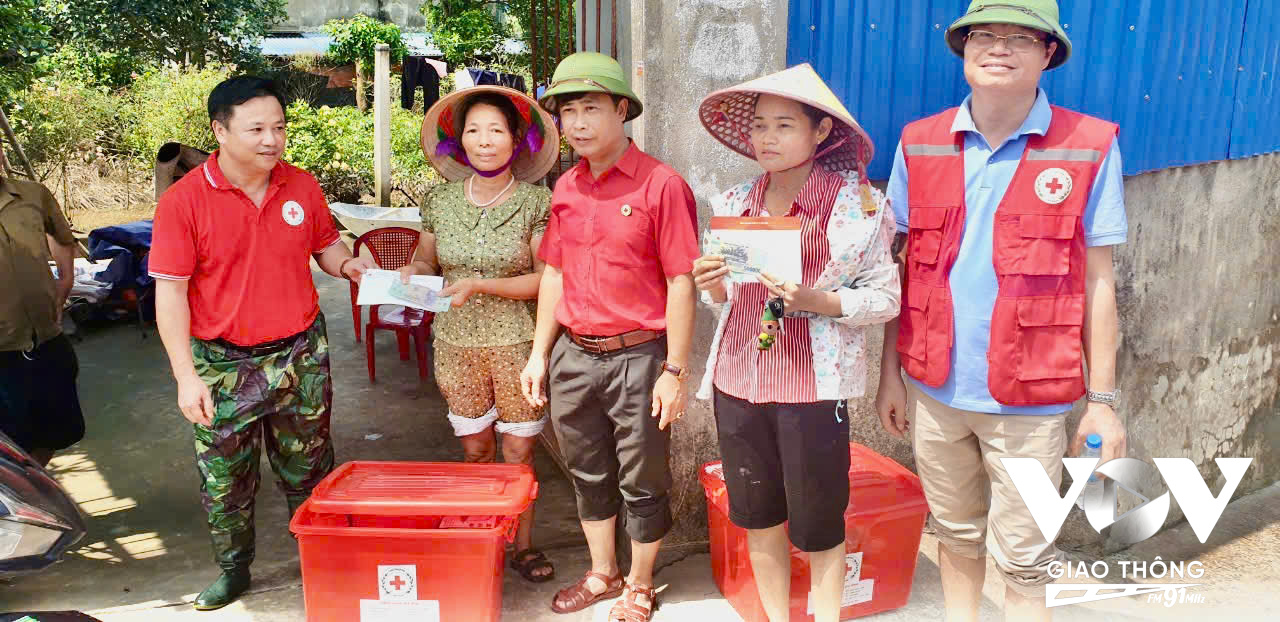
[{"x": 1007, "y": 210}]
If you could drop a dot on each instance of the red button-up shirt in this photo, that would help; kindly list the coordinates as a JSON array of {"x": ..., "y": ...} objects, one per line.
[
  {"x": 249, "y": 268},
  {"x": 617, "y": 239},
  {"x": 784, "y": 373}
]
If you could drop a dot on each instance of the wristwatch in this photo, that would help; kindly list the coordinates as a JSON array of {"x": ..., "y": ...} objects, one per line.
[
  {"x": 680, "y": 373},
  {"x": 1109, "y": 397}
]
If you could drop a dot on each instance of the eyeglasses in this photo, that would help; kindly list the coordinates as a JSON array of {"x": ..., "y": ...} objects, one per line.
[{"x": 985, "y": 39}]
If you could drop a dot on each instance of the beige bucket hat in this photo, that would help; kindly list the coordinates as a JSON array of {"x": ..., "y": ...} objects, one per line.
[
  {"x": 535, "y": 154},
  {"x": 728, "y": 113}
]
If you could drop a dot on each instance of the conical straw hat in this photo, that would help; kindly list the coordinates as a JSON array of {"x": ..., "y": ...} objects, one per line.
[
  {"x": 727, "y": 114},
  {"x": 439, "y": 125}
]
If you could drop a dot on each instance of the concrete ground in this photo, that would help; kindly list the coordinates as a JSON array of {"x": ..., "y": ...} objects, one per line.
[{"x": 147, "y": 552}]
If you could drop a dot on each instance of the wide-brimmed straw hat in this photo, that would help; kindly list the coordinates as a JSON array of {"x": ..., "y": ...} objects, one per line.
[
  {"x": 536, "y": 151},
  {"x": 728, "y": 114}
]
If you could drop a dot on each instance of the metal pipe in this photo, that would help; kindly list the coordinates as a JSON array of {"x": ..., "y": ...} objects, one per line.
[
  {"x": 613, "y": 37},
  {"x": 599, "y": 48}
]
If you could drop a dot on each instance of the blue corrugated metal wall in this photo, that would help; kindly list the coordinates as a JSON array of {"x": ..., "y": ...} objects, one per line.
[
  {"x": 1185, "y": 83},
  {"x": 1256, "y": 126}
]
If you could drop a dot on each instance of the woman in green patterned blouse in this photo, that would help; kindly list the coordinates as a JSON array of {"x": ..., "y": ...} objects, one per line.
[{"x": 481, "y": 231}]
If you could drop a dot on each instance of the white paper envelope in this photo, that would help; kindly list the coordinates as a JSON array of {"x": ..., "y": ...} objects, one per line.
[{"x": 776, "y": 239}]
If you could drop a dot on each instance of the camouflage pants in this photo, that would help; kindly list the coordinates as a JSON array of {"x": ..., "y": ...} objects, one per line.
[{"x": 283, "y": 399}]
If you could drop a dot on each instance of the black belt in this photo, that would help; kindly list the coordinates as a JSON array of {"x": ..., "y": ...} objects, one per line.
[{"x": 262, "y": 349}]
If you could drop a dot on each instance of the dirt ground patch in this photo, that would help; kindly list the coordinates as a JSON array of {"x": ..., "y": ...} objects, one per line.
[{"x": 88, "y": 220}]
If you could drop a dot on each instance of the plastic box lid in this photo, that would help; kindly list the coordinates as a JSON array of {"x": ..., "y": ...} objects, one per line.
[
  {"x": 425, "y": 489},
  {"x": 877, "y": 484}
]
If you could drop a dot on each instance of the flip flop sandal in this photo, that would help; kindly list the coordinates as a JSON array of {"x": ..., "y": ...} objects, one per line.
[
  {"x": 578, "y": 596},
  {"x": 528, "y": 561}
]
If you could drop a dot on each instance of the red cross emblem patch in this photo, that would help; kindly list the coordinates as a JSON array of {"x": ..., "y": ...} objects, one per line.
[
  {"x": 293, "y": 213},
  {"x": 1053, "y": 186}
]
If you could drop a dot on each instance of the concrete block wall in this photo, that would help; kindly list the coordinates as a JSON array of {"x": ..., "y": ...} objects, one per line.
[
  {"x": 1199, "y": 356},
  {"x": 691, "y": 48},
  {"x": 1199, "y": 305}
]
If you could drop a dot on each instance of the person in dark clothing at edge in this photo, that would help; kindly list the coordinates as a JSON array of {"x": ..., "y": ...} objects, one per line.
[{"x": 39, "y": 406}]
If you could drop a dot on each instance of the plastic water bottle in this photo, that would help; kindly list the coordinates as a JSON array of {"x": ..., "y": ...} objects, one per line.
[{"x": 1092, "y": 449}]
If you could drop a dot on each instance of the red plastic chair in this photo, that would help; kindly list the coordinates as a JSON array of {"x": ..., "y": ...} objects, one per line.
[{"x": 392, "y": 248}]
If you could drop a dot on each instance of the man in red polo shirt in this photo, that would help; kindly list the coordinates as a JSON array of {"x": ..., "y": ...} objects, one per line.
[
  {"x": 237, "y": 310},
  {"x": 619, "y": 251}
]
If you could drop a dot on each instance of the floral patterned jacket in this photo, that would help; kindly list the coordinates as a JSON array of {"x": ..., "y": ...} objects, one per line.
[{"x": 861, "y": 271}]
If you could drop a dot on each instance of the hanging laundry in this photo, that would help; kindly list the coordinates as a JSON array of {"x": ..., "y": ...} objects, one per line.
[
  {"x": 418, "y": 72},
  {"x": 486, "y": 76}
]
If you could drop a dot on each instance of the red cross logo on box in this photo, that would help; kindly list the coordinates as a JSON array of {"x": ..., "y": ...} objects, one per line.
[
  {"x": 1053, "y": 186},
  {"x": 398, "y": 583}
]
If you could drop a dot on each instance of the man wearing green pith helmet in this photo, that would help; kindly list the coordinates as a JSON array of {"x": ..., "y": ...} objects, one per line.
[
  {"x": 619, "y": 250},
  {"x": 1008, "y": 209}
]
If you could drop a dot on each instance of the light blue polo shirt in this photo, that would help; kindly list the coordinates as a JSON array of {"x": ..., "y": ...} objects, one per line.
[{"x": 987, "y": 174}]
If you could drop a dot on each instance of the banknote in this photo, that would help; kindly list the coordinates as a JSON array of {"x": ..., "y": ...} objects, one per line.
[
  {"x": 421, "y": 297},
  {"x": 743, "y": 260}
]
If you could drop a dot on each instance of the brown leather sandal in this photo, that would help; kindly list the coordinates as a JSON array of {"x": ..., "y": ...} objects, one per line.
[
  {"x": 578, "y": 596},
  {"x": 627, "y": 609}
]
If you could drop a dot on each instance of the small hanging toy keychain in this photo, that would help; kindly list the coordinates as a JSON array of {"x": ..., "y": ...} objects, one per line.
[{"x": 770, "y": 323}]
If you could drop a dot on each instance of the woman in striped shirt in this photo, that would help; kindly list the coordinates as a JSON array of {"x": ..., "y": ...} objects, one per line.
[{"x": 780, "y": 411}]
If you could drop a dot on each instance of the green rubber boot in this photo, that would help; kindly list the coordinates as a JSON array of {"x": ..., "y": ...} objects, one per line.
[
  {"x": 224, "y": 590},
  {"x": 233, "y": 552}
]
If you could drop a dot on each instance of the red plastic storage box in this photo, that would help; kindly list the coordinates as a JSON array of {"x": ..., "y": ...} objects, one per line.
[
  {"x": 883, "y": 524},
  {"x": 390, "y": 541}
]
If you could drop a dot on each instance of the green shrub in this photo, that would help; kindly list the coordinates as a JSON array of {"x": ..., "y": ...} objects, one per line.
[
  {"x": 170, "y": 32},
  {"x": 24, "y": 38},
  {"x": 114, "y": 69},
  {"x": 336, "y": 146},
  {"x": 355, "y": 41},
  {"x": 463, "y": 29},
  {"x": 171, "y": 104},
  {"x": 62, "y": 120},
  {"x": 410, "y": 170}
]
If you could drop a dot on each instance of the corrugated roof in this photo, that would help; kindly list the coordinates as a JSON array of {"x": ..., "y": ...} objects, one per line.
[{"x": 419, "y": 44}]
